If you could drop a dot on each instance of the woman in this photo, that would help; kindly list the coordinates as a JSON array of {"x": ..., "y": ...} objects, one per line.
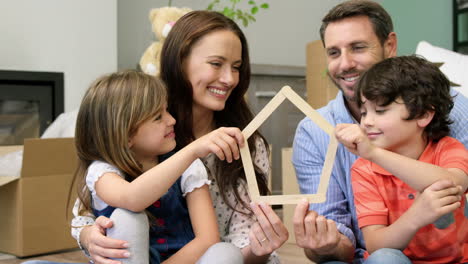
[{"x": 206, "y": 68}]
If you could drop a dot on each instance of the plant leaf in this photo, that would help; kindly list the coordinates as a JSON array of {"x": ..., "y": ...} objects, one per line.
[
  {"x": 245, "y": 22},
  {"x": 231, "y": 13},
  {"x": 250, "y": 17},
  {"x": 265, "y": 5},
  {"x": 254, "y": 10}
]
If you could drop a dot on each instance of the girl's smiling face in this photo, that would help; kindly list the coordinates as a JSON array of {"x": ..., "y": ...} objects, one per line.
[{"x": 153, "y": 137}]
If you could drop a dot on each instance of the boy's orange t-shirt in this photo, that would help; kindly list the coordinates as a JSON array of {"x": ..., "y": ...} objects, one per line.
[{"x": 381, "y": 198}]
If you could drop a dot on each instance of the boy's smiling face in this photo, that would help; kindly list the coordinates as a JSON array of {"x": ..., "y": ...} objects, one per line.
[{"x": 387, "y": 127}]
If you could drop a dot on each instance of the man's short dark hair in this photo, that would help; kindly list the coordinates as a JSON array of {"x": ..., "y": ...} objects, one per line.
[
  {"x": 418, "y": 82},
  {"x": 379, "y": 18}
]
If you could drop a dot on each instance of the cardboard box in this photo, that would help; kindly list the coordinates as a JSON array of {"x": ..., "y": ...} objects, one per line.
[
  {"x": 320, "y": 89},
  {"x": 33, "y": 208}
]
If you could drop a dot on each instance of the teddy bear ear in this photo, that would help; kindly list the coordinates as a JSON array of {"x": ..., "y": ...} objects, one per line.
[{"x": 153, "y": 13}]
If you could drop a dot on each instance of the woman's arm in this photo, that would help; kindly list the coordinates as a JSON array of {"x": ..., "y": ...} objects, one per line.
[
  {"x": 246, "y": 232},
  {"x": 101, "y": 248},
  {"x": 91, "y": 237},
  {"x": 267, "y": 234},
  {"x": 204, "y": 224}
]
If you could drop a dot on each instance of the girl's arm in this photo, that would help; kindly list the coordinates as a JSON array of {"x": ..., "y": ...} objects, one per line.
[
  {"x": 148, "y": 187},
  {"x": 204, "y": 224},
  {"x": 154, "y": 183},
  {"x": 438, "y": 199}
]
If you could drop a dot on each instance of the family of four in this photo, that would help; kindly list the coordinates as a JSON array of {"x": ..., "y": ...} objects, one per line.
[{"x": 160, "y": 179}]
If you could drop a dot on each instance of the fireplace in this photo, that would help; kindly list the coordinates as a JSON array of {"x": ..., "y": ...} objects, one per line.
[{"x": 29, "y": 102}]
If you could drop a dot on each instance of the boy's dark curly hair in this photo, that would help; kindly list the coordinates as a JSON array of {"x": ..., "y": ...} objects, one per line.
[{"x": 418, "y": 82}]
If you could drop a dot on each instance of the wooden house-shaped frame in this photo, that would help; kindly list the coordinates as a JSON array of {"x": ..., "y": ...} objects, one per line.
[{"x": 287, "y": 93}]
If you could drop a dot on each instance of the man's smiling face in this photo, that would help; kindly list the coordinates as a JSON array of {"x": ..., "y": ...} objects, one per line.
[{"x": 352, "y": 47}]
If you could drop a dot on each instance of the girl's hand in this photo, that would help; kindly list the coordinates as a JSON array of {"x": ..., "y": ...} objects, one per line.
[
  {"x": 438, "y": 199},
  {"x": 223, "y": 142},
  {"x": 268, "y": 233},
  {"x": 354, "y": 139}
]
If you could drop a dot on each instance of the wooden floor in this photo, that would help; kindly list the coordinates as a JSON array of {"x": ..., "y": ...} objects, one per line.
[
  {"x": 289, "y": 254},
  {"x": 74, "y": 256}
]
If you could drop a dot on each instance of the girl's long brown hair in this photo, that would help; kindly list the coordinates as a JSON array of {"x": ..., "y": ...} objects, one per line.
[
  {"x": 111, "y": 111},
  {"x": 176, "y": 48}
]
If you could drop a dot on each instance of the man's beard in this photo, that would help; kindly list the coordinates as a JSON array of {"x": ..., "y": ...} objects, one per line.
[{"x": 348, "y": 98}]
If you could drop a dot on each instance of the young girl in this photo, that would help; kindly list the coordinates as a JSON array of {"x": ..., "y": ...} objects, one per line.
[{"x": 123, "y": 137}]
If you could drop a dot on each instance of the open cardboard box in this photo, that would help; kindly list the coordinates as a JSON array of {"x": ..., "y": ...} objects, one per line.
[{"x": 33, "y": 207}]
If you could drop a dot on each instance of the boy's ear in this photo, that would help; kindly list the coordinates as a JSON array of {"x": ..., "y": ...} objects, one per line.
[
  {"x": 426, "y": 119},
  {"x": 130, "y": 142}
]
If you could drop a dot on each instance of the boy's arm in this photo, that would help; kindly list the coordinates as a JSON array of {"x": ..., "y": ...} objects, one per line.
[
  {"x": 438, "y": 199},
  {"x": 418, "y": 175},
  {"x": 204, "y": 224}
]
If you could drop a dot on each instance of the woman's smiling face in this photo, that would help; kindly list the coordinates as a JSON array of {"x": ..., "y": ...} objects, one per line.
[{"x": 212, "y": 68}]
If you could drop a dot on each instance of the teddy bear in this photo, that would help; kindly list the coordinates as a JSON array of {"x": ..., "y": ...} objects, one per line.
[{"x": 162, "y": 19}]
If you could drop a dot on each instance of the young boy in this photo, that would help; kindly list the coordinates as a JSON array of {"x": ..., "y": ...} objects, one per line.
[{"x": 410, "y": 181}]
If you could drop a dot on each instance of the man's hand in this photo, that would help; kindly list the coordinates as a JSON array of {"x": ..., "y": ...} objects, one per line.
[
  {"x": 320, "y": 237},
  {"x": 314, "y": 231}
]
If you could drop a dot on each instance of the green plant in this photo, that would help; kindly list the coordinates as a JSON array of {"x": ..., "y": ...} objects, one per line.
[{"x": 232, "y": 11}]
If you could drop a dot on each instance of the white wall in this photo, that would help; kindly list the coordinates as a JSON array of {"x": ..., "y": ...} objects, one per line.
[
  {"x": 78, "y": 38},
  {"x": 279, "y": 35}
]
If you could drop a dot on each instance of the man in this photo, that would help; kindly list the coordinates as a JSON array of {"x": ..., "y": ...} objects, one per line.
[{"x": 356, "y": 34}]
